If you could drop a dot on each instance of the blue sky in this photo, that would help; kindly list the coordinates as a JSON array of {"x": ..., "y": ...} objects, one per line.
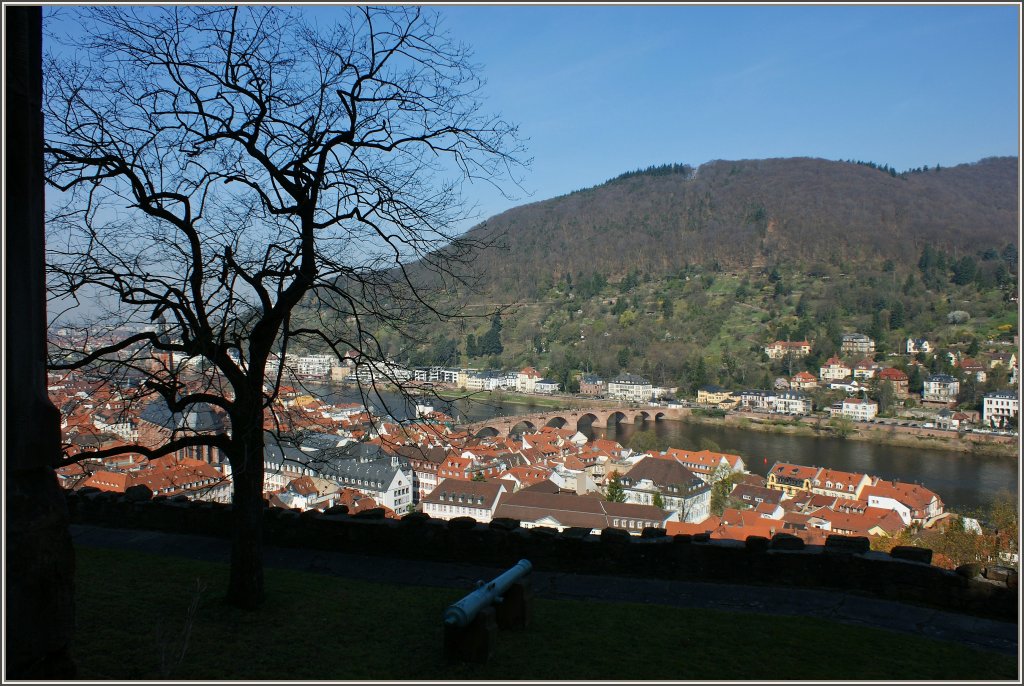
[
  {"x": 603, "y": 89},
  {"x": 600, "y": 90}
]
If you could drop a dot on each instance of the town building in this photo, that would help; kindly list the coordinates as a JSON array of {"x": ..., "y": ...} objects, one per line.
[
  {"x": 857, "y": 344},
  {"x": 533, "y": 507},
  {"x": 865, "y": 369},
  {"x": 756, "y": 399},
  {"x": 940, "y": 388},
  {"x": 781, "y": 349},
  {"x": 834, "y": 370},
  {"x": 676, "y": 486},
  {"x": 791, "y": 479},
  {"x": 917, "y": 345},
  {"x": 546, "y": 386},
  {"x": 838, "y": 484},
  {"x": 456, "y": 498},
  {"x": 1001, "y": 410},
  {"x": 857, "y": 409},
  {"x": 802, "y": 381},
  {"x": 591, "y": 384},
  {"x": 527, "y": 379},
  {"x": 792, "y": 402},
  {"x": 712, "y": 395},
  {"x": 630, "y": 387},
  {"x": 898, "y": 378}
]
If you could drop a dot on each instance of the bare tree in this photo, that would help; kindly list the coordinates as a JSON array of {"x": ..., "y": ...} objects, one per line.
[{"x": 237, "y": 181}]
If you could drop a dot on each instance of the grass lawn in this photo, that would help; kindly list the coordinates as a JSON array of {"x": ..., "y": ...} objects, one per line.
[{"x": 132, "y": 609}]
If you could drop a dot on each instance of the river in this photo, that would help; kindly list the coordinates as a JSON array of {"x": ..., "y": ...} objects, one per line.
[{"x": 964, "y": 481}]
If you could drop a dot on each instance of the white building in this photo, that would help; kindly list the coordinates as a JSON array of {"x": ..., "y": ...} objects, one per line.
[
  {"x": 857, "y": 409},
  {"x": 526, "y": 380},
  {"x": 758, "y": 400},
  {"x": 310, "y": 365},
  {"x": 940, "y": 388},
  {"x": 1001, "y": 409},
  {"x": 459, "y": 498},
  {"x": 630, "y": 387},
  {"x": 918, "y": 345},
  {"x": 667, "y": 479},
  {"x": 546, "y": 386},
  {"x": 792, "y": 402},
  {"x": 834, "y": 370}
]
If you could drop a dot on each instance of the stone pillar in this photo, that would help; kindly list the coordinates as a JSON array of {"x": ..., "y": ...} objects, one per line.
[{"x": 39, "y": 573}]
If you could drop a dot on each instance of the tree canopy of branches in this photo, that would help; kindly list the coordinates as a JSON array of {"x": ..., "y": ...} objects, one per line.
[{"x": 235, "y": 182}]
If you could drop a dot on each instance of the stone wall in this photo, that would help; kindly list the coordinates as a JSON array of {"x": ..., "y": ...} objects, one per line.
[{"x": 844, "y": 563}]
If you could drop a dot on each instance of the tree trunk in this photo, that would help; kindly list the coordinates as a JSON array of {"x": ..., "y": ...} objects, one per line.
[
  {"x": 245, "y": 586},
  {"x": 39, "y": 610}
]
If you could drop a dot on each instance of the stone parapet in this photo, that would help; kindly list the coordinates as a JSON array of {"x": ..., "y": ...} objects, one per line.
[{"x": 843, "y": 563}]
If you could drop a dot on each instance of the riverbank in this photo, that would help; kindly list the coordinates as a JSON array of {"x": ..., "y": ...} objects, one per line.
[{"x": 906, "y": 437}]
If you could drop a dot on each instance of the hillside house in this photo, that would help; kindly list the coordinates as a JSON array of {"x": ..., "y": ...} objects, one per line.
[
  {"x": 857, "y": 344},
  {"x": 899, "y": 380},
  {"x": 781, "y": 349},
  {"x": 940, "y": 388},
  {"x": 834, "y": 370},
  {"x": 1004, "y": 359},
  {"x": 865, "y": 369},
  {"x": 972, "y": 367},
  {"x": 803, "y": 381},
  {"x": 917, "y": 345}
]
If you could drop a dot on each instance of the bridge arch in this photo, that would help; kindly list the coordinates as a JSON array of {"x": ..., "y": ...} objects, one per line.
[
  {"x": 614, "y": 418},
  {"x": 586, "y": 421},
  {"x": 486, "y": 432},
  {"x": 522, "y": 426},
  {"x": 641, "y": 417},
  {"x": 557, "y": 422}
]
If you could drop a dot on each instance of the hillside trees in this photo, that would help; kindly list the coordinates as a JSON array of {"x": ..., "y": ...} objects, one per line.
[{"x": 218, "y": 166}]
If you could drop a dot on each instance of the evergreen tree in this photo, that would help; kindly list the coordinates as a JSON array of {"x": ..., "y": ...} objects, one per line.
[
  {"x": 472, "y": 349},
  {"x": 614, "y": 493},
  {"x": 490, "y": 342},
  {"x": 801, "y": 305},
  {"x": 964, "y": 270},
  {"x": 896, "y": 315}
]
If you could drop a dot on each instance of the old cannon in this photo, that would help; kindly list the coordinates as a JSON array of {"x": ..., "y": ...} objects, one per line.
[{"x": 471, "y": 624}]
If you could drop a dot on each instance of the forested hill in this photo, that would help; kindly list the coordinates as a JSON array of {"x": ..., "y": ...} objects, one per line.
[{"x": 800, "y": 212}]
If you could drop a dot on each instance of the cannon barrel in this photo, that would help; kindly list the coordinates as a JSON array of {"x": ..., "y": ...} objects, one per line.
[{"x": 461, "y": 613}]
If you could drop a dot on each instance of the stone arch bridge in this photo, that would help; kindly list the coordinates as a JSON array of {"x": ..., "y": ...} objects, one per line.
[{"x": 573, "y": 419}]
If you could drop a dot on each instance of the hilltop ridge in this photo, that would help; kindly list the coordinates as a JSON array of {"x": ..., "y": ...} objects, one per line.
[{"x": 748, "y": 213}]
